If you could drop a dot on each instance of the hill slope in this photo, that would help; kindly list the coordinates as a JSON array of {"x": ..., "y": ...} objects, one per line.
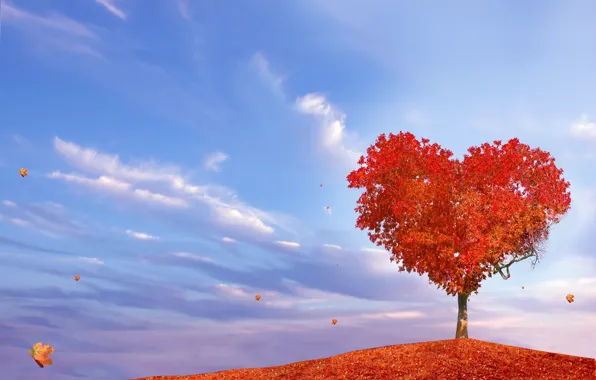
[{"x": 444, "y": 359}]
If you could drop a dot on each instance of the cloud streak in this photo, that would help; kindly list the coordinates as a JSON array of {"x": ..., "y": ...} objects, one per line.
[
  {"x": 53, "y": 30},
  {"x": 110, "y": 6},
  {"x": 214, "y": 160},
  {"x": 141, "y": 235}
]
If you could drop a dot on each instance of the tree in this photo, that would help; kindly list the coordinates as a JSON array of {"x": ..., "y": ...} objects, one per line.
[{"x": 459, "y": 222}]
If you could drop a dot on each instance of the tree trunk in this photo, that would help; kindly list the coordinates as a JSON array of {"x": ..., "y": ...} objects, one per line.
[{"x": 462, "y": 316}]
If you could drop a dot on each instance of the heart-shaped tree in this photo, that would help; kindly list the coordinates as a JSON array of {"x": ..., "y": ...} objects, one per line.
[{"x": 458, "y": 221}]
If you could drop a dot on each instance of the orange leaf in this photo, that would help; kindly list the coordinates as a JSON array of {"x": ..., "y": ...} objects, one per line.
[
  {"x": 258, "y": 297},
  {"x": 23, "y": 172},
  {"x": 77, "y": 277},
  {"x": 334, "y": 321},
  {"x": 570, "y": 298},
  {"x": 40, "y": 353}
]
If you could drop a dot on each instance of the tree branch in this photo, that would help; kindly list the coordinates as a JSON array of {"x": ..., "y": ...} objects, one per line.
[
  {"x": 499, "y": 267},
  {"x": 536, "y": 247}
]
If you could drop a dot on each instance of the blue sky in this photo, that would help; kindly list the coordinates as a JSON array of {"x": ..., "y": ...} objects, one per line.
[{"x": 175, "y": 151}]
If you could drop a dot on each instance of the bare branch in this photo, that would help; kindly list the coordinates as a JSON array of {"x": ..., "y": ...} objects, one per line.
[
  {"x": 499, "y": 270},
  {"x": 535, "y": 249}
]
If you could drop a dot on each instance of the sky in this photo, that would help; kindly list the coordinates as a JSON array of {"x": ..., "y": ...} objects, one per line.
[{"x": 175, "y": 152}]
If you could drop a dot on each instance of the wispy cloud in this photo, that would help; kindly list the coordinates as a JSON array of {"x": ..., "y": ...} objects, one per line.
[
  {"x": 48, "y": 218},
  {"x": 263, "y": 68},
  {"x": 228, "y": 240},
  {"x": 91, "y": 260},
  {"x": 84, "y": 259},
  {"x": 118, "y": 178},
  {"x": 289, "y": 244},
  {"x": 333, "y": 127},
  {"x": 332, "y": 246},
  {"x": 141, "y": 235},
  {"x": 192, "y": 256},
  {"x": 373, "y": 250},
  {"x": 231, "y": 290},
  {"x": 110, "y": 6},
  {"x": 183, "y": 7},
  {"x": 117, "y": 187},
  {"x": 214, "y": 160},
  {"x": 19, "y": 222},
  {"x": 53, "y": 30}
]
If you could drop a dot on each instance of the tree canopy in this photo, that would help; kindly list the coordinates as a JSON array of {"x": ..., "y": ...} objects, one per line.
[{"x": 458, "y": 221}]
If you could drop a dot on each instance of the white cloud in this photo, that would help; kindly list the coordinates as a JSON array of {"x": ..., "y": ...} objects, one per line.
[
  {"x": 584, "y": 128},
  {"x": 231, "y": 290},
  {"x": 226, "y": 208},
  {"x": 111, "y": 7},
  {"x": 289, "y": 244},
  {"x": 160, "y": 198},
  {"x": 141, "y": 235},
  {"x": 96, "y": 162},
  {"x": 333, "y": 133},
  {"x": 191, "y": 256},
  {"x": 112, "y": 185},
  {"x": 234, "y": 217},
  {"x": 103, "y": 182},
  {"x": 9, "y": 203},
  {"x": 373, "y": 250},
  {"x": 91, "y": 260},
  {"x": 214, "y": 160},
  {"x": 228, "y": 240},
  {"x": 332, "y": 246}
]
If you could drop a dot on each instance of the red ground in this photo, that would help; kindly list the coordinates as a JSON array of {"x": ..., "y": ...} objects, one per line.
[{"x": 444, "y": 359}]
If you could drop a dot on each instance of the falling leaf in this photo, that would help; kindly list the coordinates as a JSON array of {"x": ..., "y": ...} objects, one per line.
[
  {"x": 321, "y": 185},
  {"x": 334, "y": 321},
  {"x": 77, "y": 277},
  {"x": 258, "y": 297},
  {"x": 23, "y": 172},
  {"x": 522, "y": 287},
  {"x": 570, "y": 298},
  {"x": 40, "y": 353}
]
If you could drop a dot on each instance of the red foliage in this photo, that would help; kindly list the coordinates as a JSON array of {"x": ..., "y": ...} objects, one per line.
[
  {"x": 424, "y": 206},
  {"x": 446, "y": 359}
]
